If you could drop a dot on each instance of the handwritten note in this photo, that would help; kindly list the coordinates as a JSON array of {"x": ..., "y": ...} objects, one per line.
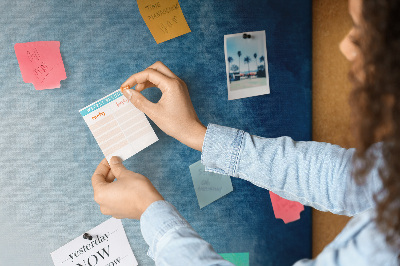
[
  {"x": 209, "y": 186},
  {"x": 238, "y": 259},
  {"x": 118, "y": 126},
  {"x": 288, "y": 211},
  {"x": 164, "y": 19},
  {"x": 108, "y": 246},
  {"x": 41, "y": 64}
]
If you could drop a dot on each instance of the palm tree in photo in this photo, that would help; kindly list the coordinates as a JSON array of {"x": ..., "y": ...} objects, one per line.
[
  {"x": 255, "y": 58},
  {"x": 239, "y": 54},
  {"x": 230, "y": 59},
  {"x": 247, "y": 60},
  {"x": 234, "y": 68},
  {"x": 262, "y": 59}
]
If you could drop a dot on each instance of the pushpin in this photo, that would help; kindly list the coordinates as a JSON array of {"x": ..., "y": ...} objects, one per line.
[
  {"x": 246, "y": 36},
  {"x": 87, "y": 236}
]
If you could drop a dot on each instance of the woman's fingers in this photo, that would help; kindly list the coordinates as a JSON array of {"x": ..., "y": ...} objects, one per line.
[
  {"x": 159, "y": 80},
  {"x": 142, "y": 86},
  {"x": 160, "y": 67},
  {"x": 110, "y": 177},
  {"x": 99, "y": 179},
  {"x": 140, "y": 102}
]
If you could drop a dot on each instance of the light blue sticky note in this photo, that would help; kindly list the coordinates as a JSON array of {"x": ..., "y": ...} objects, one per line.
[
  {"x": 209, "y": 186},
  {"x": 239, "y": 259}
]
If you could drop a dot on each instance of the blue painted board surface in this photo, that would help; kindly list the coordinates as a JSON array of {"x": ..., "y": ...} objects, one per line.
[{"x": 48, "y": 154}]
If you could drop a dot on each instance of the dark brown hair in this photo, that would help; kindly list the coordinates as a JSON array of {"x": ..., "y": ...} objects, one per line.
[{"x": 376, "y": 108}]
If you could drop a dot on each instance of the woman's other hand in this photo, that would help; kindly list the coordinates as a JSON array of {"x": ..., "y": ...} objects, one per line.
[{"x": 128, "y": 196}]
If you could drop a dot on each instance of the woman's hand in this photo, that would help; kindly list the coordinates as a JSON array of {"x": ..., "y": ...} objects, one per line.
[
  {"x": 173, "y": 113},
  {"x": 127, "y": 197}
]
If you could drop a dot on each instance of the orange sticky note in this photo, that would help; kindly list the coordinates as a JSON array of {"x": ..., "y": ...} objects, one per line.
[
  {"x": 164, "y": 19},
  {"x": 288, "y": 211},
  {"x": 41, "y": 63}
]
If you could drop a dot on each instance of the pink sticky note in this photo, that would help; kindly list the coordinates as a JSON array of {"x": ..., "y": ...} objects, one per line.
[
  {"x": 41, "y": 63},
  {"x": 284, "y": 209}
]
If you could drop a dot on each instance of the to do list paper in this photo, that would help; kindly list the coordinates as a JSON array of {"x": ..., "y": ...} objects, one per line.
[{"x": 118, "y": 126}]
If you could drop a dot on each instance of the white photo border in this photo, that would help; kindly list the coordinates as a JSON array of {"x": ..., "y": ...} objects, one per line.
[{"x": 248, "y": 92}]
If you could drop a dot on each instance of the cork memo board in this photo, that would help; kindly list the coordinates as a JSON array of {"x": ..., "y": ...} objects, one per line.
[{"x": 331, "y": 88}]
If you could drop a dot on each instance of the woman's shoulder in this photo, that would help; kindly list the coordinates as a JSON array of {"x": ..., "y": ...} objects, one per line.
[{"x": 362, "y": 240}]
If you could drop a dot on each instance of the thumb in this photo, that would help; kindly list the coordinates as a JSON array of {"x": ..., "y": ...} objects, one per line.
[
  {"x": 99, "y": 176},
  {"x": 138, "y": 100},
  {"x": 116, "y": 166}
]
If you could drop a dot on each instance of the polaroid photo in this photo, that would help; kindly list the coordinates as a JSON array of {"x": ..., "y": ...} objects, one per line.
[{"x": 246, "y": 64}]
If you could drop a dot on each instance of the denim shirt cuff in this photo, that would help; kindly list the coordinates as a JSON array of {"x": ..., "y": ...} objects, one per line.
[
  {"x": 159, "y": 218},
  {"x": 221, "y": 149}
]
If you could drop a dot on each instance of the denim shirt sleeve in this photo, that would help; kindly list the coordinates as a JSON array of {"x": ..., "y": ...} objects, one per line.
[
  {"x": 312, "y": 173},
  {"x": 171, "y": 239}
]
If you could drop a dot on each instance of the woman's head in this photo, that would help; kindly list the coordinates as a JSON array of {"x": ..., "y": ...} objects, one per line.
[{"x": 373, "y": 48}]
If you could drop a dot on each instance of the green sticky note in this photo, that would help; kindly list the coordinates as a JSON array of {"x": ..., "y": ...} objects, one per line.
[
  {"x": 239, "y": 259},
  {"x": 209, "y": 186}
]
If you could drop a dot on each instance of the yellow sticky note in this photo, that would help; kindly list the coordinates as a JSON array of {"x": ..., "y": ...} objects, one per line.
[{"x": 164, "y": 19}]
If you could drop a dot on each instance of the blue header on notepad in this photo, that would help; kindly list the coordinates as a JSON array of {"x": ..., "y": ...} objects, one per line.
[{"x": 100, "y": 103}]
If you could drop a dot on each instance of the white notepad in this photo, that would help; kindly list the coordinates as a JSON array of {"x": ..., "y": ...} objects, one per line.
[{"x": 118, "y": 126}]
